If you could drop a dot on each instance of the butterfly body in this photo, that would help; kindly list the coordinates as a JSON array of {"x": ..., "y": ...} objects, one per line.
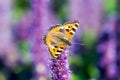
[{"x": 58, "y": 37}]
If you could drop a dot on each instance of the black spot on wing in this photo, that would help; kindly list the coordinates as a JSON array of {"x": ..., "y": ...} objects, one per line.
[
  {"x": 56, "y": 55},
  {"x": 71, "y": 33},
  {"x": 59, "y": 50},
  {"x": 56, "y": 46},
  {"x": 69, "y": 26},
  {"x": 74, "y": 29},
  {"x": 54, "y": 49},
  {"x": 76, "y": 25},
  {"x": 67, "y": 30}
]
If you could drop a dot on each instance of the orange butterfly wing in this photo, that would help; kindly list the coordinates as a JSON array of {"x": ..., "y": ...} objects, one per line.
[
  {"x": 48, "y": 38},
  {"x": 70, "y": 28},
  {"x": 56, "y": 50}
]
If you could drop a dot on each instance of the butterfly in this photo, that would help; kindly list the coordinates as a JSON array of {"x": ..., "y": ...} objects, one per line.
[{"x": 58, "y": 37}]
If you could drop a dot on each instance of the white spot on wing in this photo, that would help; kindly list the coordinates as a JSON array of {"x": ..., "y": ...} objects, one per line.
[
  {"x": 60, "y": 49},
  {"x": 77, "y": 24},
  {"x": 75, "y": 27},
  {"x": 62, "y": 27},
  {"x": 57, "y": 53},
  {"x": 72, "y": 31}
]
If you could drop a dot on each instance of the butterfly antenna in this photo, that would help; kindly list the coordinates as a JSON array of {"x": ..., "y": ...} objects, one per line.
[{"x": 77, "y": 44}]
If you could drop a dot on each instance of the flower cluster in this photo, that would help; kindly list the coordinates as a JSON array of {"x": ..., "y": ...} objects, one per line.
[{"x": 59, "y": 67}]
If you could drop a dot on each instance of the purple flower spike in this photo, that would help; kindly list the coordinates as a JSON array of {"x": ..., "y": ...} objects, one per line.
[{"x": 60, "y": 68}]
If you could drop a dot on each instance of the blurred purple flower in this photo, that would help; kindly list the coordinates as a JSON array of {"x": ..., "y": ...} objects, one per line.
[
  {"x": 87, "y": 12},
  {"x": 8, "y": 49},
  {"x": 42, "y": 19},
  {"x": 22, "y": 29},
  {"x": 60, "y": 67},
  {"x": 22, "y": 34},
  {"x": 107, "y": 48},
  {"x": 5, "y": 28}
]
